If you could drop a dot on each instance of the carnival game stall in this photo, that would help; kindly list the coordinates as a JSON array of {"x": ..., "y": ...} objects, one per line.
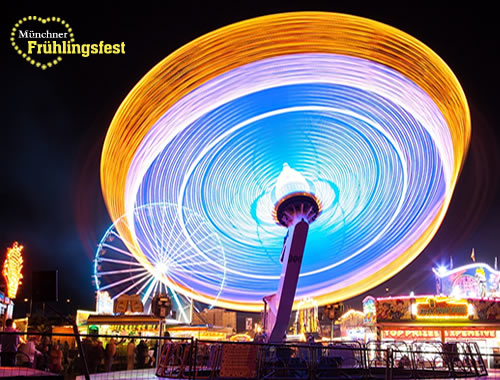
[
  {"x": 423, "y": 319},
  {"x": 352, "y": 325}
]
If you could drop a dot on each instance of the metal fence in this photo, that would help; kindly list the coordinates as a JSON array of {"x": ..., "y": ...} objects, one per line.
[
  {"x": 70, "y": 356},
  {"x": 125, "y": 357},
  {"x": 333, "y": 361}
]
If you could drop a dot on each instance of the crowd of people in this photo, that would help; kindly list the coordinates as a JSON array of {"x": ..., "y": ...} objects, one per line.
[
  {"x": 39, "y": 352},
  {"x": 102, "y": 358},
  {"x": 50, "y": 354}
]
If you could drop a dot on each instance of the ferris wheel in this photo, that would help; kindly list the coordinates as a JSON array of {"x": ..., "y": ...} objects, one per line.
[{"x": 176, "y": 253}]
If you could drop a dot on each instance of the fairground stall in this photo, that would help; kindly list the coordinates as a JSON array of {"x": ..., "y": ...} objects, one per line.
[
  {"x": 125, "y": 325},
  {"x": 466, "y": 309},
  {"x": 351, "y": 325},
  {"x": 123, "y": 316}
]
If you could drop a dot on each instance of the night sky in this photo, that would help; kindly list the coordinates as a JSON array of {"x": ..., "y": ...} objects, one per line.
[{"x": 56, "y": 121}]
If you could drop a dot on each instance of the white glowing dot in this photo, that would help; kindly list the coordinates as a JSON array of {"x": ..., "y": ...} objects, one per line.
[{"x": 161, "y": 268}]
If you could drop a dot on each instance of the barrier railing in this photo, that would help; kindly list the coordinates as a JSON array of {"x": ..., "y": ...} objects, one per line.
[
  {"x": 146, "y": 357},
  {"x": 102, "y": 356}
]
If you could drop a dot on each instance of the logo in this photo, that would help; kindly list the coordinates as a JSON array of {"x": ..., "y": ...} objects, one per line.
[{"x": 43, "y": 42}]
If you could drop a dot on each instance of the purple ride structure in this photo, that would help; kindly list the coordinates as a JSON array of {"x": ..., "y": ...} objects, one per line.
[{"x": 372, "y": 125}]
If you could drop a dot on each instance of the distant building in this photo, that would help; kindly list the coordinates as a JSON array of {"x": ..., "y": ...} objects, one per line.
[{"x": 215, "y": 317}]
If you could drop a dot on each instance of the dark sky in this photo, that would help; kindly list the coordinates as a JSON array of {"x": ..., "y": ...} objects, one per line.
[{"x": 56, "y": 121}]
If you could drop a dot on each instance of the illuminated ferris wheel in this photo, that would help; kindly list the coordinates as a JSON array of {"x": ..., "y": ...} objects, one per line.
[{"x": 172, "y": 252}]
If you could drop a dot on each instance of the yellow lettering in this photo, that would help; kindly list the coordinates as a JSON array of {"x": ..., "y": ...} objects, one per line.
[
  {"x": 31, "y": 45},
  {"x": 85, "y": 50}
]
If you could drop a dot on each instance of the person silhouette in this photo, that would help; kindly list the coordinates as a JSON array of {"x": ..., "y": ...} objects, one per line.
[{"x": 9, "y": 343}]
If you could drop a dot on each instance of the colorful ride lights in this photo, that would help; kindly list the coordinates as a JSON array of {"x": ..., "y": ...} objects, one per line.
[{"x": 375, "y": 124}]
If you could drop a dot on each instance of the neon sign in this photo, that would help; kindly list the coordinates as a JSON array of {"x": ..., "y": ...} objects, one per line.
[
  {"x": 442, "y": 309},
  {"x": 426, "y": 334},
  {"x": 411, "y": 334},
  {"x": 12, "y": 267}
]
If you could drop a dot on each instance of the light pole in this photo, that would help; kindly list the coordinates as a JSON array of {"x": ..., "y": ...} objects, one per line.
[{"x": 31, "y": 305}]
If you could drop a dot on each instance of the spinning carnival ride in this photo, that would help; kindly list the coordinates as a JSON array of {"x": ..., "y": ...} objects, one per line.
[{"x": 370, "y": 123}]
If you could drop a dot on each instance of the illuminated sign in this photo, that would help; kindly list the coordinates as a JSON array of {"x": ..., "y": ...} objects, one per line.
[
  {"x": 240, "y": 338},
  {"x": 210, "y": 335},
  {"x": 357, "y": 333},
  {"x": 12, "y": 267},
  {"x": 369, "y": 311},
  {"x": 464, "y": 334},
  {"x": 426, "y": 334},
  {"x": 433, "y": 308},
  {"x": 411, "y": 334}
]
